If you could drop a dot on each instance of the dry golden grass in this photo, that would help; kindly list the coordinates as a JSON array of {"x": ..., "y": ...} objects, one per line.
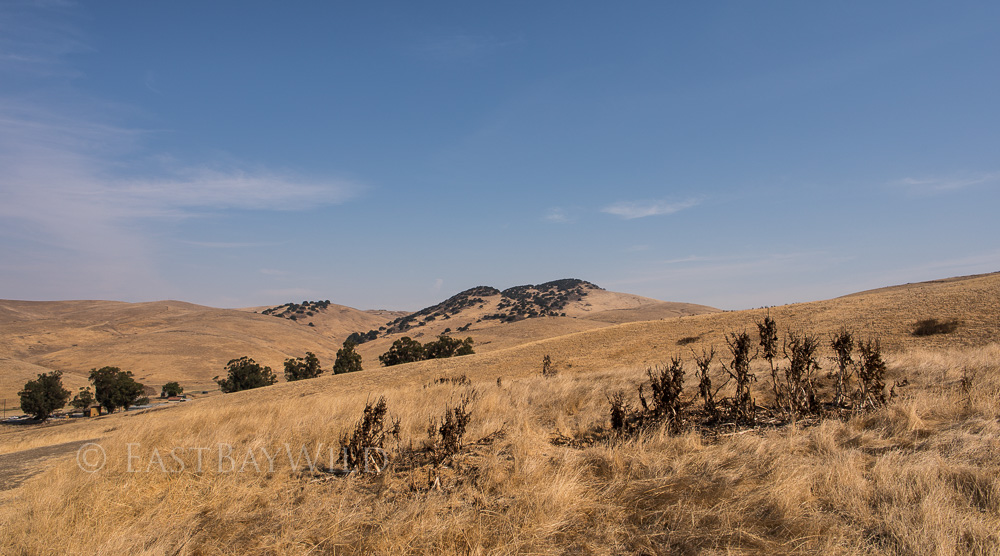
[{"x": 919, "y": 477}]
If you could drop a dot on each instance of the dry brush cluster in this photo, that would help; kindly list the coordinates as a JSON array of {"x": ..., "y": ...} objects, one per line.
[{"x": 857, "y": 384}]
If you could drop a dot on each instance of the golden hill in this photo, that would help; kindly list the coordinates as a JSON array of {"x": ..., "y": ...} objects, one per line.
[
  {"x": 158, "y": 341},
  {"x": 176, "y": 341}
]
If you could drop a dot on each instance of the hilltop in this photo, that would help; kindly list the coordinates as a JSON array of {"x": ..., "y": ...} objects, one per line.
[{"x": 570, "y": 297}]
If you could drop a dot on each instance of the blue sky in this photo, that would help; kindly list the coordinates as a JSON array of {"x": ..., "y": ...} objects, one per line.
[{"x": 386, "y": 155}]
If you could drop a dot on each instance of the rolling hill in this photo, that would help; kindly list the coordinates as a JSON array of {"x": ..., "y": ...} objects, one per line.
[
  {"x": 158, "y": 341},
  {"x": 172, "y": 340}
]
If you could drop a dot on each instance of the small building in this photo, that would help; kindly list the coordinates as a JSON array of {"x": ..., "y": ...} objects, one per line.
[{"x": 93, "y": 412}]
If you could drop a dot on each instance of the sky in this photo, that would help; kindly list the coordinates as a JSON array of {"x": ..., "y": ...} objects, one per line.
[{"x": 391, "y": 154}]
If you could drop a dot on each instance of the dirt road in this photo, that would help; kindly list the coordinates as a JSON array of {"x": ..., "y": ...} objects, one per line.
[{"x": 17, "y": 467}]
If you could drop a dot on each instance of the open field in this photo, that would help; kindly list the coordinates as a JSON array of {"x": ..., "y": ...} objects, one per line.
[{"x": 537, "y": 473}]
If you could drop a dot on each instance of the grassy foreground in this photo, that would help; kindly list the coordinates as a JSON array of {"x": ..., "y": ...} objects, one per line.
[{"x": 921, "y": 476}]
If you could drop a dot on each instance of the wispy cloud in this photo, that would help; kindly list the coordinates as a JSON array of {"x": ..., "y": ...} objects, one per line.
[
  {"x": 641, "y": 209},
  {"x": 64, "y": 190},
  {"x": 193, "y": 188},
  {"x": 36, "y": 38},
  {"x": 946, "y": 184},
  {"x": 558, "y": 215}
]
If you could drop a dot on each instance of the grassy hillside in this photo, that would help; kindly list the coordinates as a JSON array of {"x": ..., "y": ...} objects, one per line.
[
  {"x": 175, "y": 341},
  {"x": 919, "y": 476},
  {"x": 159, "y": 341}
]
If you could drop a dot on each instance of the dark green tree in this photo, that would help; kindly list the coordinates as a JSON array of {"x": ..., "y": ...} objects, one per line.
[
  {"x": 446, "y": 346},
  {"x": 44, "y": 395},
  {"x": 348, "y": 360},
  {"x": 171, "y": 389},
  {"x": 245, "y": 373},
  {"x": 115, "y": 388},
  {"x": 299, "y": 368},
  {"x": 465, "y": 348},
  {"x": 403, "y": 350},
  {"x": 83, "y": 399}
]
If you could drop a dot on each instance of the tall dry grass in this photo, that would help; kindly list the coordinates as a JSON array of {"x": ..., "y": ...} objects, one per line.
[{"x": 917, "y": 477}]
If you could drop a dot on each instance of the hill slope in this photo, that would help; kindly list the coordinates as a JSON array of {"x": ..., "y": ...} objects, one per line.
[
  {"x": 158, "y": 341},
  {"x": 173, "y": 340}
]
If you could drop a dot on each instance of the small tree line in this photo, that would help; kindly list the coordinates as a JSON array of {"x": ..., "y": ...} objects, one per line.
[
  {"x": 245, "y": 373},
  {"x": 408, "y": 350},
  {"x": 113, "y": 389}
]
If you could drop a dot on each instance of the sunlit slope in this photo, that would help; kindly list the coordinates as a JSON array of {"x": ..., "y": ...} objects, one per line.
[
  {"x": 502, "y": 319},
  {"x": 159, "y": 341},
  {"x": 172, "y": 340},
  {"x": 889, "y": 314}
]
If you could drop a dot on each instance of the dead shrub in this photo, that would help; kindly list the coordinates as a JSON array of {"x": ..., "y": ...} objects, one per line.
[
  {"x": 743, "y": 409},
  {"x": 800, "y": 391},
  {"x": 842, "y": 344},
  {"x": 445, "y": 435},
  {"x": 454, "y": 381},
  {"x": 871, "y": 375},
  {"x": 704, "y": 363},
  {"x": 365, "y": 445},
  {"x": 930, "y": 327},
  {"x": 768, "y": 331},
  {"x": 620, "y": 410},
  {"x": 548, "y": 370},
  {"x": 667, "y": 385}
]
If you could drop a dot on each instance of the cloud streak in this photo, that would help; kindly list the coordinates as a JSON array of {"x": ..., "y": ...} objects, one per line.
[
  {"x": 630, "y": 210},
  {"x": 557, "y": 215},
  {"x": 946, "y": 184}
]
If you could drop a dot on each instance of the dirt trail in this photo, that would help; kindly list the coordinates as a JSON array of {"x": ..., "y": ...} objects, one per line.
[{"x": 17, "y": 467}]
